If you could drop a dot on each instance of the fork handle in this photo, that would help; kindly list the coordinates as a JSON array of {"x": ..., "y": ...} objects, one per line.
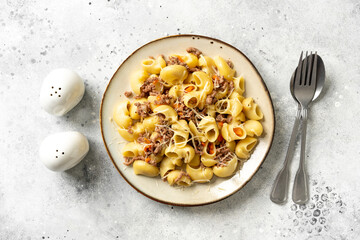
[
  {"x": 300, "y": 189},
  {"x": 281, "y": 184}
]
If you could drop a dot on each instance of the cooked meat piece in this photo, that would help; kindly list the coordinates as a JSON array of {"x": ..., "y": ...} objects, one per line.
[
  {"x": 143, "y": 109},
  {"x": 163, "y": 100},
  {"x": 128, "y": 94},
  {"x": 164, "y": 131},
  {"x": 224, "y": 118},
  {"x": 187, "y": 113},
  {"x": 176, "y": 61},
  {"x": 129, "y": 160},
  {"x": 129, "y": 129},
  {"x": 158, "y": 148},
  {"x": 194, "y": 51},
  {"x": 223, "y": 155},
  {"x": 231, "y": 87},
  {"x": 152, "y": 162},
  {"x": 211, "y": 99},
  {"x": 230, "y": 63},
  {"x": 182, "y": 173},
  {"x": 198, "y": 147},
  {"x": 220, "y": 83},
  {"x": 195, "y": 69},
  {"x": 144, "y": 138},
  {"x": 149, "y": 87}
]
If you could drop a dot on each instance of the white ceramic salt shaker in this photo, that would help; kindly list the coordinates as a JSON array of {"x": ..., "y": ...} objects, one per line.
[
  {"x": 62, "y": 151},
  {"x": 62, "y": 89}
]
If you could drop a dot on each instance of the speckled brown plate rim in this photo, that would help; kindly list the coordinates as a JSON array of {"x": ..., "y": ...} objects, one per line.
[{"x": 171, "y": 203}]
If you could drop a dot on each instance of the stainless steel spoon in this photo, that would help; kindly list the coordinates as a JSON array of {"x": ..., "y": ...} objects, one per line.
[{"x": 280, "y": 188}]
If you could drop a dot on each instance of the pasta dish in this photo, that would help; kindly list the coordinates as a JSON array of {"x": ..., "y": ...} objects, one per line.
[{"x": 189, "y": 119}]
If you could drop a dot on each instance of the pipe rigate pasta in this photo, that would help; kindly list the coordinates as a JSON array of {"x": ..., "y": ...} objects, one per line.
[
  {"x": 224, "y": 69},
  {"x": 252, "y": 110},
  {"x": 200, "y": 175},
  {"x": 168, "y": 112},
  {"x": 173, "y": 74},
  {"x": 239, "y": 85},
  {"x": 137, "y": 80},
  {"x": 169, "y": 164},
  {"x": 207, "y": 65},
  {"x": 244, "y": 147},
  {"x": 253, "y": 128},
  {"x": 190, "y": 120},
  {"x": 209, "y": 127},
  {"x": 228, "y": 170},
  {"x": 178, "y": 177},
  {"x": 153, "y": 66},
  {"x": 144, "y": 168},
  {"x": 121, "y": 114}
]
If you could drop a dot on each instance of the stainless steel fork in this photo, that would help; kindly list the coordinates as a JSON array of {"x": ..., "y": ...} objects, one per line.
[
  {"x": 303, "y": 79},
  {"x": 304, "y": 90}
]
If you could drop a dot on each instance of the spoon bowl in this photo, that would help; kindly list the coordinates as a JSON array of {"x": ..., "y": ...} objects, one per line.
[{"x": 320, "y": 75}]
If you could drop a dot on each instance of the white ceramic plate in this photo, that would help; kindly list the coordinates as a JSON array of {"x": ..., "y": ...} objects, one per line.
[{"x": 198, "y": 194}]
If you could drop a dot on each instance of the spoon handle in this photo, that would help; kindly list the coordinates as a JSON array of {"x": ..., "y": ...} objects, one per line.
[
  {"x": 281, "y": 184},
  {"x": 300, "y": 189}
]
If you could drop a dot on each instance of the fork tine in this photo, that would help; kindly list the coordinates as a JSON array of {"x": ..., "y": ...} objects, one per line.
[
  {"x": 297, "y": 79},
  {"x": 314, "y": 70},
  {"x": 304, "y": 67},
  {"x": 310, "y": 67}
]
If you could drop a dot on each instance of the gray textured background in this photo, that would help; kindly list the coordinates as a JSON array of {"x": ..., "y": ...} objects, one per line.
[{"x": 91, "y": 201}]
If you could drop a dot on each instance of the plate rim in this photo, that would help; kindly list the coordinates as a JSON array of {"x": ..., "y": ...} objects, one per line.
[{"x": 180, "y": 204}]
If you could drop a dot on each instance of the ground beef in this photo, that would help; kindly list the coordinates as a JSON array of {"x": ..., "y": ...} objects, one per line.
[
  {"x": 188, "y": 114},
  {"x": 149, "y": 87},
  {"x": 224, "y": 118},
  {"x": 164, "y": 130},
  {"x": 128, "y": 94},
  {"x": 152, "y": 162},
  {"x": 143, "y": 109},
  {"x": 195, "y": 69},
  {"x": 163, "y": 100},
  {"x": 158, "y": 147},
  {"x": 198, "y": 147},
  {"x": 129, "y": 160},
  {"x": 220, "y": 85},
  {"x": 223, "y": 155},
  {"x": 129, "y": 129},
  {"x": 184, "y": 112},
  {"x": 194, "y": 51},
  {"x": 231, "y": 87},
  {"x": 176, "y": 61},
  {"x": 182, "y": 173},
  {"x": 144, "y": 138},
  {"x": 230, "y": 63},
  {"x": 211, "y": 99}
]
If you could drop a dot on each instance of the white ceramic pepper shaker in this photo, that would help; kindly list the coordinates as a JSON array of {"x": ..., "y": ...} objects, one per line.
[
  {"x": 62, "y": 89},
  {"x": 62, "y": 151}
]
